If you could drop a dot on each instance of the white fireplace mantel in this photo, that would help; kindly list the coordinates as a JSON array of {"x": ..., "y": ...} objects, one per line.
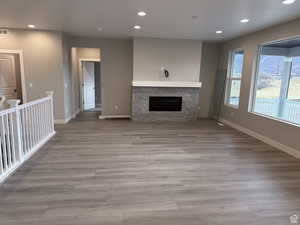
[{"x": 166, "y": 84}]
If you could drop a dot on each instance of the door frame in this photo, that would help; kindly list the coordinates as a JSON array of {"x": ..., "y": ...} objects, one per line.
[
  {"x": 23, "y": 80},
  {"x": 81, "y": 80}
]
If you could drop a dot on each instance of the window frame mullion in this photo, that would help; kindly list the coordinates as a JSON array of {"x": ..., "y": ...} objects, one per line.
[
  {"x": 284, "y": 86},
  {"x": 230, "y": 78}
]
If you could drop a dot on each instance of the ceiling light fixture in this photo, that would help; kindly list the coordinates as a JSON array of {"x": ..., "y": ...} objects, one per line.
[
  {"x": 142, "y": 13},
  {"x": 31, "y": 26},
  {"x": 100, "y": 29},
  {"x": 219, "y": 32},
  {"x": 137, "y": 27},
  {"x": 245, "y": 20},
  {"x": 288, "y": 2}
]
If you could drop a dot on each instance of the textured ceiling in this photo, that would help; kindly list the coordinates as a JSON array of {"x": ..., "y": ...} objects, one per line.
[{"x": 165, "y": 19}]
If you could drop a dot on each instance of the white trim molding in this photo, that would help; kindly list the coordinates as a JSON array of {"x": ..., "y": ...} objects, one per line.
[
  {"x": 166, "y": 84},
  {"x": 89, "y": 59},
  {"x": 101, "y": 117},
  {"x": 60, "y": 122},
  {"x": 267, "y": 140},
  {"x": 67, "y": 120},
  {"x": 75, "y": 113}
]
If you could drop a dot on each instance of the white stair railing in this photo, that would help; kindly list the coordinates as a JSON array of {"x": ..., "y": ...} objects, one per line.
[{"x": 23, "y": 130}]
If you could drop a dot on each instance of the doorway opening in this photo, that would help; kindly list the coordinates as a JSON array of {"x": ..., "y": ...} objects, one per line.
[
  {"x": 12, "y": 80},
  {"x": 87, "y": 84},
  {"x": 91, "y": 89}
]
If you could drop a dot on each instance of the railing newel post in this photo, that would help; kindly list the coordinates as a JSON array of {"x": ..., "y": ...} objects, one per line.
[
  {"x": 50, "y": 94},
  {"x": 14, "y": 103}
]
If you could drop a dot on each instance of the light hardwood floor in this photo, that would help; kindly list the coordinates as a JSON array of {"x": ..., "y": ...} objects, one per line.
[{"x": 127, "y": 173}]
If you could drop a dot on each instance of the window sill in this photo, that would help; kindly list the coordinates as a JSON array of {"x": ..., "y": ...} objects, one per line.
[
  {"x": 275, "y": 119},
  {"x": 232, "y": 106}
]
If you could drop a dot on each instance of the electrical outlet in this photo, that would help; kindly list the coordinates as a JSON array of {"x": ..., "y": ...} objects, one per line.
[
  {"x": 116, "y": 107},
  {"x": 30, "y": 84},
  {"x": 3, "y": 31}
]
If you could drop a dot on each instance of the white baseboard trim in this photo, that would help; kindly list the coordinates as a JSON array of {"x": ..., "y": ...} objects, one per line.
[
  {"x": 267, "y": 140},
  {"x": 20, "y": 163},
  {"x": 60, "y": 121},
  {"x": 101, "y": 117},
  {"x": 76, "y": 113},
  {"x": 67, "y": 120}
]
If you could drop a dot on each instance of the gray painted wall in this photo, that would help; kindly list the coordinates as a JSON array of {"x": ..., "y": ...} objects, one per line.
[
  {"x": 75, "y": 78},
  {"x": 284, "y": 133},
  {"x": 209, "y": 66},
  {"x": 116, "y": 72},
  {"x": 181, "y": 58},
  {"x": 67, "y": 75},
  {"x": 43, "y": 63},
  {"x": 89, "y": 53}
]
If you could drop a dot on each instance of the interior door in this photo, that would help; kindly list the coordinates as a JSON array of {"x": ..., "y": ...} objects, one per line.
[
  {"x": 88, "y": 85},
  {"x": 8, "y": 82}
]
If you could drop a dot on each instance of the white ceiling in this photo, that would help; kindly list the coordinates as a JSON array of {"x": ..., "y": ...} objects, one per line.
[{"x": 165, "y": 19}]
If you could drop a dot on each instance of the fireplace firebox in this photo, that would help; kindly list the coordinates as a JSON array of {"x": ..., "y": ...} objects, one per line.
[{"x": 165, "y": 104}]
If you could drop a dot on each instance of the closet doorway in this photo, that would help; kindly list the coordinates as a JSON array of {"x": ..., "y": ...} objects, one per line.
[{"x": 91, "y": 85}]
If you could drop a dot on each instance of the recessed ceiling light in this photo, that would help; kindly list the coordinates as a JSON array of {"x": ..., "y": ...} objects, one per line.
[
  {"x": 31, "y": 26},
  {"x": 137, "y": 27},
  {"x": 245, "y": 20},
  {"x": 100, "y": 29},
  {"x": 288, "y": 2},
  {"x": 142, "y": 13},
  {"x": 219, "y": 32}
]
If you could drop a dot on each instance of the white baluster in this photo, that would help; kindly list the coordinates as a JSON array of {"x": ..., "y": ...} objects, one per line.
[
  {"x": 4, "y": 156},
  {"x": 8, "y": 140},
  {"x": 31, "y": 127},
  {"x": 1, "y": 157},
  {"x": 13, "y": 136},
  {"x": 34, "y": 129},
  {"x": 23, "y": 124}
]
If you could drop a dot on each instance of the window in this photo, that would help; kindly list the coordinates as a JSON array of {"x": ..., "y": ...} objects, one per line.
[
  {"x": 233, "y": 81},
  {"x": 277, "y": 86}
]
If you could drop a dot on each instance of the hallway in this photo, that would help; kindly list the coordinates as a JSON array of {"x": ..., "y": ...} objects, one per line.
[{"x": 125, "y": 173}]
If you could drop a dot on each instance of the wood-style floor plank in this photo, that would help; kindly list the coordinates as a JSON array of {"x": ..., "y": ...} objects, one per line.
[{"x": 126, "y": 173}]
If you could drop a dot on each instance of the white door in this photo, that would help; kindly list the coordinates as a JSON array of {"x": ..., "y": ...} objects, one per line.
[
  {"x": 88, "y": 85},
  {"x": 8, "y": 81}
]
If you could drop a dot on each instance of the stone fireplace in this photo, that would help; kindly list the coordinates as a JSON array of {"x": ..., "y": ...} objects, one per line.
[{"x": 165, "y": 101}]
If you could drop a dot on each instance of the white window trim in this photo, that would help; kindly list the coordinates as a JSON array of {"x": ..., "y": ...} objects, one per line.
[
  {"x": 254, "y": 87},
  {"x": 229, "y": 79},
  {"x": 275, "y": 119},
  {"x": 254, "y": 80}
]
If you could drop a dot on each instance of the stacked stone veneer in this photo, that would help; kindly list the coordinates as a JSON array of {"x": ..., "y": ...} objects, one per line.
[{"x": 140, "y": 103}]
